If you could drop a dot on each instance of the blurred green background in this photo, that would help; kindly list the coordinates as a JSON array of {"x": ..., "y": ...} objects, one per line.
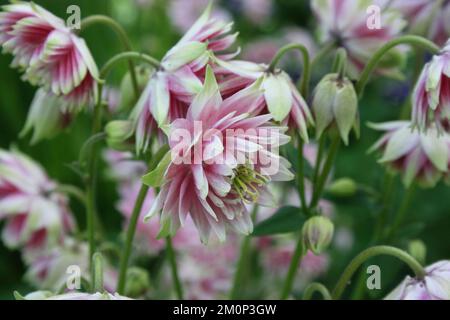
[{"x": 152, "y": 30}]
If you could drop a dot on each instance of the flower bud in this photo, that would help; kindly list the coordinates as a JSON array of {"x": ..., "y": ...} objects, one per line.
[
  {"x": 418, "y": 250},
  {"x": 317, "y": 234},
  {"x": 335, "y": 102},
  {"x": 119, "y": 134},
  {"x": 138, "y": 282},
  {"x": 344, "y": 187},
  {"x": 127, "y": 94}
]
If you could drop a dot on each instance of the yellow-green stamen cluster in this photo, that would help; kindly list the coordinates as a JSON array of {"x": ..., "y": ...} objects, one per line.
[{"x": 245, "y": 183}]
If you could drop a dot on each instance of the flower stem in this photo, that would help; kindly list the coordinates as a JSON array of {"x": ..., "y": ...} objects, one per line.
[
  {"x": 242, "y": 262},
  {"x": 400, "y": 216},
  {"x": 293, "y": 268},
  {"x": 415, "y": 266},
  {"x": 304, "y": 83},
  {"x": 316, "y": 287},
  {"x": 127, "y": 56},
  {"x": 129, "y": 238},
  {"x": 318, "y": 164},
  {"x": 173, "y": 268},
  {"x": 340, "y": 62},
  {"x": 97, "y": 266},
  {"x": 334, "y": 147},
  {"x": 301, "y": 177},
  {"x": 117, "y": 28},
  {"x": 73, "y": 191},
  {"x": 376, "y": 58}
]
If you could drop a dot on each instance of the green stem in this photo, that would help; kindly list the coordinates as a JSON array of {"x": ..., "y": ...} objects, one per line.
[
  {"x": 400, "y": 216},
  {"x": 376, "y": 58},
  {"x": 340, "y": 62},
  {"x": 174, "y": 269},
  {"x": 327, "y": 48},
  {"x": 293, "y": 268},
  {"x": 129, "y": 55},
  {"x": 301, "y": 177},
  {"x": 318, "y": 164},
  {"x": 415, "y": 266},
  {"x": 242, "y": 262},
  {"x": 334, "y": 147},
  {"x": 117, "y": 28},
  {"x": 129, "y": 238},
  {"x": 316, "y": 287},
  {"x": 304, "y": 83},
  {"x": 388, "y": 185},
  {"x": 73, "y": 191},
  {"x": 98, "y": 272}
]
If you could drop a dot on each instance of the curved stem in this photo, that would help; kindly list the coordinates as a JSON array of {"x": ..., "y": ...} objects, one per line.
[
  {"x": 415, "y": 266},
  {"x": 173, "y": 268},
  {"x": 242, "y": 262},
  {"x": 117, "y": 28},
  {"x": 316, "y": 287},
  {"x": 326, "y": 171},
  {"x": 128, "y": 55},
  {"x": 376, "y": 58},
  {"x": 301, "y": 177},
  {"x": 293, "y": 268},
  {"x": 98, "y": 272},
  {"x": 129, "y": 238},
  {"x": 304, "y": 83},
  {"x": 70, "y": 190},
  {"x": 340, "y": 62}
]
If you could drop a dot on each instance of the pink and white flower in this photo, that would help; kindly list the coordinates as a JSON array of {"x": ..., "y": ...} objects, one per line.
[
  {"x": 50, "y": 54},
  {"x": 35, "y": 213},
  {"x": 435, "y": 285},
  {"x": 46, "y": 295},
  {"x": 431, "y": 97},
  {"x": 345, "y": 22},
  {"x": 217, "y": 165},
  {"x": 418, "y": 156}
]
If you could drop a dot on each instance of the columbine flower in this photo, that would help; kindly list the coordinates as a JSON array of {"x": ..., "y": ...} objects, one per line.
[
  {"x": 224, "y": 159},
  {"x": 421, "y": 156},
  {"x": 431, "y": 98},
  {"x": 172, "y": 88},
  {"x": 46, "y": 295},
  {"x": 435, "y": 285},
  {"x": 345, "y": 22},
  {"x": 278, "y": 94},
  {"x": 35, "y": 213},
  {"x": 49, "y": 53}
]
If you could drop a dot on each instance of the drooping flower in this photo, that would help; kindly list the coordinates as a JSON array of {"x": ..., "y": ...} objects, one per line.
[
  {"x": 435, "y": 285},
  {"x": 49, "y": 53},
  {"x": 35, "y": 213},
  {"x": 46, "y": 295},
  {"x": 345, "y": 22},
  {"x": 171, "y": 89},
  {"x": 418, "y": 156},
  {"x": 221, "y": 158},
  {"x": 431, "y": 97}
]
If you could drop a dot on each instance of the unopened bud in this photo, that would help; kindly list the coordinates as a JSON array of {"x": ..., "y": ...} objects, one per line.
[
  {"x": 119, "y": 134},
  {"x": 335, "y": 102},
  {"x": 344, "y": 187},
  {"x": 138, "y": 282},
  {"x": 418, "y": 250},
  {"x": 317, "y": 234}
]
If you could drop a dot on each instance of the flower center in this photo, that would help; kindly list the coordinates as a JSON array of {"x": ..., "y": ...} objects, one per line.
[{"x": 246, "y": 182}]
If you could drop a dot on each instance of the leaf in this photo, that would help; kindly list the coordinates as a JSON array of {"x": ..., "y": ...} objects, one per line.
[
  {"x": 286, "y": 220},
  {"x": 155, "y": 177}
]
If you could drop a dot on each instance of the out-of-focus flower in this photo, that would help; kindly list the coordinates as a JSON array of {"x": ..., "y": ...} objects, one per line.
[
  {"x": 317, "y": 234},
  {"x": 48, "y": 268},
  {"x": 35, "y": 213},
  {"x": 427, "y": 18},
  {"x": 421, "y": 156},
  {"x": 431, "y": 97},
  {"x": 46, "y": 118},
  {"x": 257, "y": 11},
  {"x": 45, "y": 295},
  {"x": 172, "y": 88},
  {"x": 279, "y": 95},
  {"x": 335, "y": 102},
  {"x": 49, "y": 53},
  {"x": 345, "y": 22},
  {"x": 435, "y": 285},
  {"x": 218, "y": 166}
]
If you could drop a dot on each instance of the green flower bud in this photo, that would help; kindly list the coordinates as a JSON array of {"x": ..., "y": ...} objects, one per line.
[
  {"x": 119, "y": 134},
  {"x": 138, "y": 282},
  {"x": 127, "y": 94},
  {"x": 418, "y": 250},
  {"x": 344, "y": 187},
  {"x": 335, "y": 103},
  {"x": 317, "y": 234}
]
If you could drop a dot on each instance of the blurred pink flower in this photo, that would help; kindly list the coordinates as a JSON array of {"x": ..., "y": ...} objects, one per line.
[
  {"x": 257, "y": 11},
  {"x": 213, "y": 185},
  {"x": 431, "y": 97},
  {"x": 45, "y": 295},
  {"x": 417, "y": 155},
  {"x": 49, "y": 53},
  {"x": 435, "y": 285},
  {"x": 346, "y": 23},
  {"x": 36, "y": 214}
]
